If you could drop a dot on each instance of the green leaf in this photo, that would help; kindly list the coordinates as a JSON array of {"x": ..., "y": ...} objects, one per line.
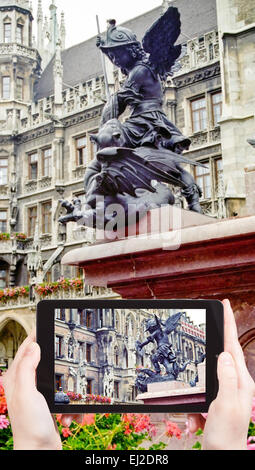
[{"x": 197, "y": 446}]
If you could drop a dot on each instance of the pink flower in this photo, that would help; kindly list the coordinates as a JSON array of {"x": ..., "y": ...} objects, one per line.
[
  {"x": 172, "y": 430},
  {"x": 253, "y": 411},
  {"x": 88, "y": 420},
  {"x": 251, "y": 443},
  {"x": 66, "y": 432},
  {"x": 4, "y": 422}
]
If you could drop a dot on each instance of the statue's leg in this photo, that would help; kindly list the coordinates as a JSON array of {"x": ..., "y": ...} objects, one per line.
[
  {"x": 168, "y": 366},
  {"x": 192, "y": 192},
  {"x": 155, "y": 363}
]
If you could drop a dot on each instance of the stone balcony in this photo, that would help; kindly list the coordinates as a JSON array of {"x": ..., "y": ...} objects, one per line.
[
  {"x": 32, "y": 299},
  {"x": 14, "y": 49}
]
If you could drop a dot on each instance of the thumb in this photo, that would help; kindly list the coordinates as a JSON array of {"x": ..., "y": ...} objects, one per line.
[
  {"x": 227, "y": 376},
  {"x": 26, "y": 370}
]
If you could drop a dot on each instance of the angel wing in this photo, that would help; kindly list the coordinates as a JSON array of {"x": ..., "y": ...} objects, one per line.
[
  {"x": 171, "y": 322},
  {"x": 159, "y": 41}
]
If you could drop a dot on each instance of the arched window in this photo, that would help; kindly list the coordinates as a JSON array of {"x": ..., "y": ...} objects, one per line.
[
  {"x": 7, "y": 26},
  {"x": 20, "y": 31},
  {"x": 125, "y": 358},
  {"x": 116, "y": 356}
]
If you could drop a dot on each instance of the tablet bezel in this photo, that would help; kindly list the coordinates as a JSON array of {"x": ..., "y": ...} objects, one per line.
[{"x": 45, "y": 327}]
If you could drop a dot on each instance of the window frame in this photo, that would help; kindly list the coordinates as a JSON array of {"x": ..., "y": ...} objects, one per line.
[
  {"x": 7, "y": 23},
  {"x": 198, "y": 111},
  {"x": 48, "y": 159},
  {"x": 45, "y": 214},
  {"x": 215, "y": 105},
  {"x": 89, "y": 387},
  {"x": 4, "y": 167},
  {"x": 79, "y": 149},
  {"x": 202, "y": 176},
  {"x": 31, "y": 226},
  {"x": 30, "y": 164},
  {"x": 88, "y": 353},
  {"x": 58, "y": 346},
  {"x": 21, "y": 96},
  {"x": 214, "y": 176},
  {"x": 4, "y": 220},
  {"x": 58, "y": 381},
  {"x": 20, "y": 28},
  {"x": 4, "y": 96}
]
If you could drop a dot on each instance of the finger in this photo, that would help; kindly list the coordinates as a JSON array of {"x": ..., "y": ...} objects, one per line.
[
  {"x": 228, "y": 379},
  {"x": 11, "y": 373},
  {"x": 66, "y": 420},
  {"x": 26, "y": 371},
  {"x": 195, "y": 422},
  {"x": 230, "y": 329},
  {"x": 232, "y": 345}
]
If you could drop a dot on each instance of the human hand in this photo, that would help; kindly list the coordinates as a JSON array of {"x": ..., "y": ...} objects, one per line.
[
  {"x": 33, "y": 427},
  {"x": 99, "y": 41},
  {"x": 227, "y": 422}
]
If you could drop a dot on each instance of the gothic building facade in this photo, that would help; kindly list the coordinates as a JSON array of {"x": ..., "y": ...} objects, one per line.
[
  {"x": 51, "y": 99},
  {"x": 95, "y": 351}
]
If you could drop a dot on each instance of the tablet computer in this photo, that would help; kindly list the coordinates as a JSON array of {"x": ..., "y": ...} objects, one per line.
[{"x": 135, "y": 356}]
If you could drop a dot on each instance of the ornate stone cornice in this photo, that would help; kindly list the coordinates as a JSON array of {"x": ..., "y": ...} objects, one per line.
[
  {"x": 197, "y": 75},
  {"x": 81, "y": 117},
  {"x": 24, "y": 11},
  {"x": 34, "y": 134}
]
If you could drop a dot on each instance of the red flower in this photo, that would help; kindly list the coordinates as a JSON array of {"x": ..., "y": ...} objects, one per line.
[
  {"x": 172, "y": 430},
  {"x": 88, "y": 419},
  {"x": 66, "y": 432}
]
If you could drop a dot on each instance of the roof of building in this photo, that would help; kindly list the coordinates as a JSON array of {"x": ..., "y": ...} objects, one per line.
[{"x": 82, "y": 61}]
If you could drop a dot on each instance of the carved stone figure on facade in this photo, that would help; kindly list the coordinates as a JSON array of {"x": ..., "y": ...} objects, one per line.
[
  {"x": 147, "y": 146},
  {"x": 108, "y": 382},
  {"x": 70, "y": 349}
]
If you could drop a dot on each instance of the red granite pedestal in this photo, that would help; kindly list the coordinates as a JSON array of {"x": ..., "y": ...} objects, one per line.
[{"x": 176, "y": 392}]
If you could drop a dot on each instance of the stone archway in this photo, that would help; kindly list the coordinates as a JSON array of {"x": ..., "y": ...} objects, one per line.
[{"x": 12, "y": 335}]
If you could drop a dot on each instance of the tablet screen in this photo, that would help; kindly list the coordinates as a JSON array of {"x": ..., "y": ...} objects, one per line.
[{"x": 130, "y": 356}]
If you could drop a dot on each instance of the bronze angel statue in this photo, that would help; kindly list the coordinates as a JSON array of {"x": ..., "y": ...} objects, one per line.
[
  {"x": 164, "y": 354},
  {"x": 135, "y": 158}
]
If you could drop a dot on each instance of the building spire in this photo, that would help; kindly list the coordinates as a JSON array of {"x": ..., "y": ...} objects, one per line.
[
  {"x": 53, "y": 27},
  {"x": 63, "y": 31},
  {"x": 39, "y": 26},
  {"x": 58, "y": 76}
]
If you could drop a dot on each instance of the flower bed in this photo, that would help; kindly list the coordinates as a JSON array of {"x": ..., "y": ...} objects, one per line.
[
  {"x": 42, "y": 290},
  {"x": 74, "y": 396},
  {"x": 16, "y": 236},
  {"x": 97, "y": 399},
  {"x": 13, "y": 294},
  {"x": 49, "y": 288}
]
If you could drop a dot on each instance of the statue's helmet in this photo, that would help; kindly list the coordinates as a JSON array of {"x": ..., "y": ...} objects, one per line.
[
  {"x": 118, "y": 36},
  {"x": 151, "y": 324}
]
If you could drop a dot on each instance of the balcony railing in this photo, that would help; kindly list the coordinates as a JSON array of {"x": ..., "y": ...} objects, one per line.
[
  {"x": 63, "y": 289},
  {"x": 15, "y": 49}
]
